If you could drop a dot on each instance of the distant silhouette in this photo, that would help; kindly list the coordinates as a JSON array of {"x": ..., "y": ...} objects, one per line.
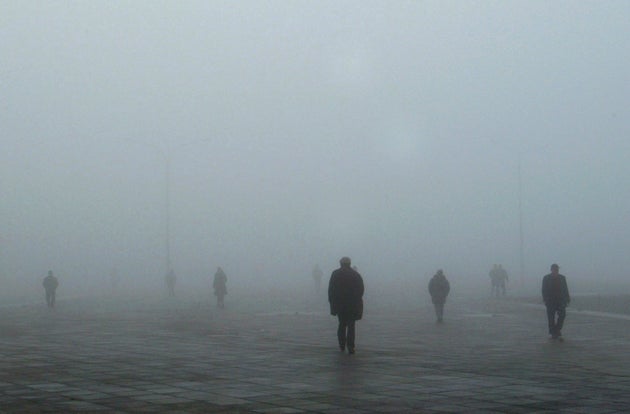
[
  {"x": 50, "y": 286},
  {"x": 555, "y": 293},
  {"x": 220, "y": 286},
  {"x": 317, "y": 275},
  {"x": 170, "y": 282},
  {"x": 498, "y": 278},
  {"x": 345, "y": 294},
  {"x": 439, "y": 289}
]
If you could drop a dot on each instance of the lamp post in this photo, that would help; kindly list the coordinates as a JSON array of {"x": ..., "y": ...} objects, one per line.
[
  {"x": 520, "y": 223},
  {"x": 167, "y": 197},
  {"x": 166, "y": 154}
]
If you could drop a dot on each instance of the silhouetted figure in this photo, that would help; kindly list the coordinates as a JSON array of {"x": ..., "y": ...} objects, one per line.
[
  {"x": 317, "y": 275},
  {"x": 345, "y": 294},
  {"x": 555, "y": 293},
  {"x": 439, "y": 289},
  {"x": 498, "y": 278},
  {"x": 50, "y": 285},
  {"x": 502, "y": 279},
  {"x": 170, "y": 282},
  {"x": 494, "y": 280},
  {"x": 220, "y": 287}
]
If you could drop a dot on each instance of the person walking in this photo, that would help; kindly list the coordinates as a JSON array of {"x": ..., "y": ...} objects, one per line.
[
  {"x": 502, "y": 279},
  {"x": 170, "y": 282},
  {"x": 439, "y": 287},
  {"x": 494, "y": 280},
  {"x": 50, "y": 286},
  {"x": 555, "y": 293},
  {"x": 345, "y": 295},
  {"x": 220, "y": 287}
]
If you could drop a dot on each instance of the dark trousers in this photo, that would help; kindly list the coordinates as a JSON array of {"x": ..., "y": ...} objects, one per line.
[
  {"x": 555, "y": 317},
  {"x": 50, "y": 298},
  {"x": 439, "y": 311},
  {"x": 345, "y": 332}
]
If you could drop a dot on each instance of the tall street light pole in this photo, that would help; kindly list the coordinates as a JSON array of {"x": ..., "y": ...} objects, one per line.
[
  {"x": 167, "y": 197},
  {"x": 520, "y": 223},
  {"x": 166, "y": 154}
]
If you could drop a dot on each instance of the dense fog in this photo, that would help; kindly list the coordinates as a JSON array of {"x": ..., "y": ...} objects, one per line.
[{"x": 265, "y": 137}]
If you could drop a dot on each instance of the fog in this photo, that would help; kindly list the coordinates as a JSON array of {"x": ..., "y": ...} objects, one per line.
[{"x": 408, "y": 135}]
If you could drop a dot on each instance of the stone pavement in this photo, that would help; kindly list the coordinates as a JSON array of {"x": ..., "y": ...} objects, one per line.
[{"x": 184, "y": 356}]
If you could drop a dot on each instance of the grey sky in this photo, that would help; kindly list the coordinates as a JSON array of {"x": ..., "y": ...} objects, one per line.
[{"x": 303, "y": 131}]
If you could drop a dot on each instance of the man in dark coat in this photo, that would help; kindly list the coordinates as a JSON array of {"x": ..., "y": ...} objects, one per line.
[
  {"x": 220, "y": 286},
  {"x": 439, "y": 288},
  {"x": 555, "y": 294},
  {"x": 345, "y": 294},
  {"x": 170, "y": 282},
  {"x": 50, "y": 286}
]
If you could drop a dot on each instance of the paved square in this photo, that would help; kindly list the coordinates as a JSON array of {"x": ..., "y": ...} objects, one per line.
[{"x": 185, "y": 356}]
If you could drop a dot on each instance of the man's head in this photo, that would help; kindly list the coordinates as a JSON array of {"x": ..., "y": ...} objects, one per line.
[
  {"x": 50, "y": 273},
  {"x": 345, "y": 261},
  {"x": 555, "y": 269}
]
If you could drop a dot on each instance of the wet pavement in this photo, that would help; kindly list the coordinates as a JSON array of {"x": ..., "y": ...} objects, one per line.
[{"x": 185, "y": 356}]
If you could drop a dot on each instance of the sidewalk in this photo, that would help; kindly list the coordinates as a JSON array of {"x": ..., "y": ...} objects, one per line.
[{"x": 489, "y": 356}]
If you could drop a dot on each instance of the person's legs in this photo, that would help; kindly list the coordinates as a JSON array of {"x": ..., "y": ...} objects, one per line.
[
  {"x": 551, "y": 316},
  {"x": 351, "y": 333},
  {"x": 48, "y": 298},
  {"x": 562, "y": 313},
  {"x": 341, "y": 331}
]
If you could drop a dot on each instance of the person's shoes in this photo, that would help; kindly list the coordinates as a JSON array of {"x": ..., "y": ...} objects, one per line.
[
  {"x": 350, "y": 351},
  {"x": 342, "y": 347}
]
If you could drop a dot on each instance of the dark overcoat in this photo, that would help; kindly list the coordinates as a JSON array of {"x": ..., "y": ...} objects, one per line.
[
  {"x": 439, "y": 288},
  {"x": 555, "y": 291},
  {"x": 345, "y": 293},
  {"x": 220, "y": 283}
]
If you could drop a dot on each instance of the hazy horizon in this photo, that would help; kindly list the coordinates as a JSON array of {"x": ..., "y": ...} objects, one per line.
[{"x": 300, "y": 132}]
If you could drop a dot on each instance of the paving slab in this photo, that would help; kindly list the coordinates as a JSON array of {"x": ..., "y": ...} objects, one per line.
[{"x": 130, "y": 355}]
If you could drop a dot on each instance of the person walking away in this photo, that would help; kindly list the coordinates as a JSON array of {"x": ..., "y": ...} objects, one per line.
[
  {"x": 170, "y": 282},
  {"x": 220, "y": 287},
  {"x": 494, "y": 280},
  {"x": 345, "y": 295},
  {"x": 502, "y": 278},
  {"x": 50, "y": 286},
  {"x": 439, "y": 287},
  {"x": 555, "y": 293}
]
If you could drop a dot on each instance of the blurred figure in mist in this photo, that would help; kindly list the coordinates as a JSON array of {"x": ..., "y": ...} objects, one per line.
[
  {"x": 220, "y": 287},
  {"x": 502, "y": 279},
  {"x": 555, "y": 293},
  {"x": 439, "y": 289},
  {"x": 498, "y": 278},
  {"x": 345, "y": 294},
  {"x": 170, "y": 282},
  {"x": 50, "y": 286},
  {"x": 317, "y": 275}
]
